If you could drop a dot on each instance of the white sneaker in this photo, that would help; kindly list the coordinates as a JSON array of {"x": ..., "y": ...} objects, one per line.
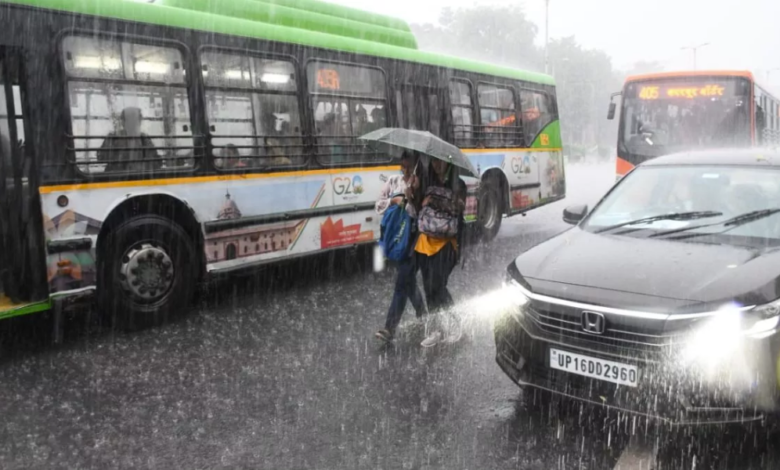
[{"x": 432, "y": 340}]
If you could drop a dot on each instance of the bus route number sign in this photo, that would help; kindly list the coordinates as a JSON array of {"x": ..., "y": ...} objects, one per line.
[
  {"x": 649, "y": 93},
  {"x": 654, "y": 92},
  {"x": 328, "y": 79}
]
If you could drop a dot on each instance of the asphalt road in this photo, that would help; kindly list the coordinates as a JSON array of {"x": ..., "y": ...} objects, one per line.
[{"x": 281, "y": 371}]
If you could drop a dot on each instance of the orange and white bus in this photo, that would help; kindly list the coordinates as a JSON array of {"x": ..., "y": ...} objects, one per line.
[{"x": 668, "y": 112}]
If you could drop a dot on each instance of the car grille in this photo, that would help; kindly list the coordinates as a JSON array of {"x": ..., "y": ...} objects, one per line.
[{"x": 622, "y": 340}]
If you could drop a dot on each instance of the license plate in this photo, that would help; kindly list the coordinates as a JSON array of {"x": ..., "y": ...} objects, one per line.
[{"x": 615, "y": 372}]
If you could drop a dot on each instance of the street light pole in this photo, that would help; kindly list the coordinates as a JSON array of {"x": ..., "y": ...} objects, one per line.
[
  {"x": 546, "y": 36},
  {"x": 694, "y": 49}
]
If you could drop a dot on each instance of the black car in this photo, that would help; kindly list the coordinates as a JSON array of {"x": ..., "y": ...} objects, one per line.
[{"x": 664, "y": 300}]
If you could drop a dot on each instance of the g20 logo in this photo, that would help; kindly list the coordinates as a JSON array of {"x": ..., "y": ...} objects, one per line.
[
  {"x": 344, "y": 186},
  {"x": 521, "y": 164}
]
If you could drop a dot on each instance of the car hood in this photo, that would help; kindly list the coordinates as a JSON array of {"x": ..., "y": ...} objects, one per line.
[{"x": 637, "y": 272}]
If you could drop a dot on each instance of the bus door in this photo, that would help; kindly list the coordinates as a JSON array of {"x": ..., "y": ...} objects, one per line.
[{"x": 21, "y": 261}]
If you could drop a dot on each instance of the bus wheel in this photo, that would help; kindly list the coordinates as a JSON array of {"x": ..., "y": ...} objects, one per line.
[
  {"x": 148, "y": 272},
  {"x": 490, "y": 212}
]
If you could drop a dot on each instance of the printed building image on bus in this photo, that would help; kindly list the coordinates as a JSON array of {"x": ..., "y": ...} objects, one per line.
[
  {"x": 147, "y": 146},
  {"x": 669, "y": 112}
]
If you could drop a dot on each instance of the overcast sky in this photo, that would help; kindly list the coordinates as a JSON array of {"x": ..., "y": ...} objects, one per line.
[{"x": 743, "y": 34}]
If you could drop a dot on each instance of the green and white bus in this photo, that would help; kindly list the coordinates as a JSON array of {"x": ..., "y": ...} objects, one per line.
[{"x": 148, "y": 146}]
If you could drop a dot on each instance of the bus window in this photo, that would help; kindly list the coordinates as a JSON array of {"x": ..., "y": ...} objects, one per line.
[
  {"x": 129, "y": 106},
  {"x": 4, "y": 114},
  {"x": 462, "y": 108},
  {"x": 498, "y": 119},
  {"x": 348, "y": 101},
  {"x": 368, "y": 117},
  {"x": 536, "y": 113},
  {"x": 253, "y": 112}
]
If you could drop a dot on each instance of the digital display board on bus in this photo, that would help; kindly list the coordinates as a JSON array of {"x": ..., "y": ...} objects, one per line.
[{"x": 684, "y": 90}]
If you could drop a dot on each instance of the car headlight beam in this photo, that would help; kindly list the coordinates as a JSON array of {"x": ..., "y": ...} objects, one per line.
[{"x": 515, "y": 293}]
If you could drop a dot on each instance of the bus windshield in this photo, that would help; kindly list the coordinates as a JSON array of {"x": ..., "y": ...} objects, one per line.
[{"x": 662, "y": 116}]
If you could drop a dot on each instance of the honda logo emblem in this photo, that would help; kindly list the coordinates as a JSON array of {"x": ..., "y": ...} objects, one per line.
[{"x": 593, "y": 322}]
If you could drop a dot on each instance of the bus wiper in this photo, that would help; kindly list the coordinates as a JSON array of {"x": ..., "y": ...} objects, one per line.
[
  {"x": 731, "y": 223},
  {"x": 673, "y": 216}
]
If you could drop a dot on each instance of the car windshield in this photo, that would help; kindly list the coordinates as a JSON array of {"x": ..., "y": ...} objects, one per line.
[{"x": 692, "y": 200}]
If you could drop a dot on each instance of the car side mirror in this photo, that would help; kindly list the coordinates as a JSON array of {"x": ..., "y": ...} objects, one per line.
[
  {"x": 611, "y": 112},
  {"x": 574, "y": 214}
]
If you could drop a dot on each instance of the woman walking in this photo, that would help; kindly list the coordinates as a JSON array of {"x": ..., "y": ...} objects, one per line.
[
  {"x": 436, "y": 249},
  {"x": 402, "y": 189}
]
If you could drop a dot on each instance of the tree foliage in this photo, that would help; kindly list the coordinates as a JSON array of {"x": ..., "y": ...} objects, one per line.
[
  {"x": 504, "y": 35},
  {"x": 501, "y": 33}
]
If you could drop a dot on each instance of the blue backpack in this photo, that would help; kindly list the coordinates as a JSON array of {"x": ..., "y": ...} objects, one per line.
[{"x": 396, "y": 231}]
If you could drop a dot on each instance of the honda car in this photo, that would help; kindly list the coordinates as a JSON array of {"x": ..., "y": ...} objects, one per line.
[{"x": 664, "y": 300}]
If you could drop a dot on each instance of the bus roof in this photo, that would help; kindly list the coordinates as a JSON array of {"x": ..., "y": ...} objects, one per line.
[
  {"x": 339, "y": 11},
  {"x": 691, "y": 73},
  {"x": 301, "y": 16},
  {"x": 313, "y": 27}
]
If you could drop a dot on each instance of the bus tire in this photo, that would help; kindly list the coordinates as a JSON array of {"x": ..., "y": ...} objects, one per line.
[
  {"x": 147, "y": 272},
  {"x": 490, "y": 212}
]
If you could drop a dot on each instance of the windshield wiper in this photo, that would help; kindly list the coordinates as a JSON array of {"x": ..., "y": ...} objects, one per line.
[
  {"x": 732, "y": 222},
  {"x": 673, "y": 216},
  {"x": 750, "y": 217}
]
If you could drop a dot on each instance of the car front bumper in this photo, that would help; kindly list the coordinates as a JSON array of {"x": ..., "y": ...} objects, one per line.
[{"x": 665, "y": 394}]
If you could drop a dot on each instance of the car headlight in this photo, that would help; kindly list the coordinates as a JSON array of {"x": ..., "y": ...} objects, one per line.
[
  {"x": 721, "y": 337},
  {"x": 514, "y": 292},
  {"x": 762, "y": 321}
]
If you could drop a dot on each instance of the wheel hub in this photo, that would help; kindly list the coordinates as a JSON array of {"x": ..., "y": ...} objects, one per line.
[{"x": 147, "y": 272}]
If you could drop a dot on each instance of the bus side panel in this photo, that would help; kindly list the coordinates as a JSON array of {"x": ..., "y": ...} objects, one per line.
[
  {"x": 552, "y": 177},
  {"x": 535, "y": 176},
  {"x": 248, "y": 219}
]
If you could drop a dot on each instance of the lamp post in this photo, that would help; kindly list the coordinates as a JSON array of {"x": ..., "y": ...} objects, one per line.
[
  {"x": 546, "y": 35},
  {"x": 694, "y": 49}
]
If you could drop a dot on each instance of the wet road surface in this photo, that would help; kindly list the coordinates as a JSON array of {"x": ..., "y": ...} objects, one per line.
[{"x": 281, "y": 371}]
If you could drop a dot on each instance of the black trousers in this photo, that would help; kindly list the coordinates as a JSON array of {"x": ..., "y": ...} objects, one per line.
[{"x": 436, "y": 272}]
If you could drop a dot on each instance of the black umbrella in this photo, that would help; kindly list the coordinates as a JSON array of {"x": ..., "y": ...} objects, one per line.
[{"x": 423, "y": 142}]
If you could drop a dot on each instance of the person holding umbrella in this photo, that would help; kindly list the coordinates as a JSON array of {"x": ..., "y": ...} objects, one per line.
[
  {"x": 440, "y": 219},
  {"x": 441, "y": 230},
  {"x": 399, "y": 190}
]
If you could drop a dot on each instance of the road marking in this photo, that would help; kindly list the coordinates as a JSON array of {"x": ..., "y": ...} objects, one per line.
[{"x": 638, "y": 455}]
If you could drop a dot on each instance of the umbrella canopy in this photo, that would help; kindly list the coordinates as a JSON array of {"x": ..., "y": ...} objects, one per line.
[{"x": 423, "y": 142}]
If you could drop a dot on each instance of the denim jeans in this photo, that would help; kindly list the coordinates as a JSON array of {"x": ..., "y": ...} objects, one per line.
[{"x": 405, "y": 288}]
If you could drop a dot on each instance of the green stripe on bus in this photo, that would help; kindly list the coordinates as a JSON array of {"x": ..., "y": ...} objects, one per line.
[
  {"x": 553, "y": 137},
  {"x": 340, "y": 11},
  {"x": 188, "y": 19},
  {"x": 25, "y": 309},
  {"x": 294, "y": 18}
]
